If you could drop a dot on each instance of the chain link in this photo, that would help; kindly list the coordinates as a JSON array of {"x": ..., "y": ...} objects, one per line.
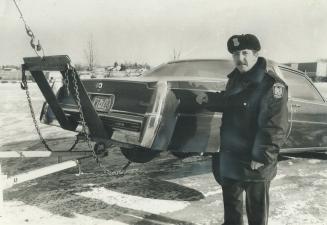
[
  {"x": 86, "y": 133},
  {"x": 36, "y": 123},
  {"x": 66, "y": 81},
  {"x": 35, "y": 46}
]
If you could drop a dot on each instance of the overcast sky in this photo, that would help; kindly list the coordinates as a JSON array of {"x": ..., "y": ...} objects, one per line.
[{"x": 149, "y": 30}]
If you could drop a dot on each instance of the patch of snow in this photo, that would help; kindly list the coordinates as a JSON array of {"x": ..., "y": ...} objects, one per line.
[
  {"x": 280, "y": 176},
  {"x": 286, "y": 215},
  {"x": 323, "y": 173},
  {"x": 314, "y": 161},
  {"x": 154, "y": 206},
  {"x": 212, "y": 193},
  {"x": 16, "y": 212},
  {"x": 284, "y": 187},
  {"x": 320, "y": 182}
]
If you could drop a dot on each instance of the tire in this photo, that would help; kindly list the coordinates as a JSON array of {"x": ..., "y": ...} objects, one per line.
[{"x": 139, "y": 155}]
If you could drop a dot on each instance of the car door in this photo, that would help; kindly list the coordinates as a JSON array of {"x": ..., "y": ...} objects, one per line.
[{"x": 309, "y": 112}]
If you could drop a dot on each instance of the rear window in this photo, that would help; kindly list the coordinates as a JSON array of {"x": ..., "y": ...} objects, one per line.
[
  {"x": 300, "y": 87},
  {"x": 205, "y": 68}
]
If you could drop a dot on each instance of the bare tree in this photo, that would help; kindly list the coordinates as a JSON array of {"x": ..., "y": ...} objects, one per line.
[
  {"x": 89, "y": 54},
  {"x": 176, "y": 54}
]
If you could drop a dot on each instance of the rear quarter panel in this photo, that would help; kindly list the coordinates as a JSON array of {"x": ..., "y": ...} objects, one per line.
[{"x": 195, "y": 129}]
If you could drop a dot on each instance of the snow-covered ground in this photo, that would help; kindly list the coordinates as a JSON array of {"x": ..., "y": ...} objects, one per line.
[{"x": 163, "y": 191}]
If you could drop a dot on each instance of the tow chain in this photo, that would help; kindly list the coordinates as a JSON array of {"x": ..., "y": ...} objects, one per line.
[
  {"x": 37, "y": 47},
  {"x": 25, "y": 87},
  {"x": 85, "y": 129},
  {"x": 66, "y": 81}
]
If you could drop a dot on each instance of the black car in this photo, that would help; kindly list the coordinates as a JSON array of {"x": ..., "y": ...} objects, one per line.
[{"x": 157, "y": 111}]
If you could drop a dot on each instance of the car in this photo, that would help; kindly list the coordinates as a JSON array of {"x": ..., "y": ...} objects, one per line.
[{"x": 157, "y": 111}]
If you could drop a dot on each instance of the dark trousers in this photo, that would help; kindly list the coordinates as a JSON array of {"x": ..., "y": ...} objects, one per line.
[{"x": 257, "y": 202}]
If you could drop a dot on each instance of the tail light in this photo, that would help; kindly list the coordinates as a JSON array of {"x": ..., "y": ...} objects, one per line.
[{"x": 153, "y": 117}]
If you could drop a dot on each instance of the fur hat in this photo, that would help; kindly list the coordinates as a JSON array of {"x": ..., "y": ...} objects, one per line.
[{"x": 243, "y": 41}]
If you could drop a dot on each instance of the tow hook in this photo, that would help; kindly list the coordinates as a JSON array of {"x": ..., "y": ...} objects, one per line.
[{"x": 100, "y": 149}]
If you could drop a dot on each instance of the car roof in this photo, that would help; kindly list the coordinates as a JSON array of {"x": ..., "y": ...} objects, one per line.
[
  {"x": 198, "y": 60},
  {"x": 270, "y": 63}
]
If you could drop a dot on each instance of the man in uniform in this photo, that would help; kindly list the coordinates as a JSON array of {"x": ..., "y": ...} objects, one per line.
[{"x": 254, "y": 126}]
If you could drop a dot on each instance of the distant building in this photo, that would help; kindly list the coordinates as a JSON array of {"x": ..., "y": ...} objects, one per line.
[
  {"x": 10, "y": 74},
  {"x": 311, "y": 69}
]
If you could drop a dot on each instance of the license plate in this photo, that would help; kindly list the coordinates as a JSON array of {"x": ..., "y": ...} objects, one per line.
[{"x": 102, "y": 103}]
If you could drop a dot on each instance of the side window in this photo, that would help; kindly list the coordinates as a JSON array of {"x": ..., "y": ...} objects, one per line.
[{"x": 300, "y": 87}]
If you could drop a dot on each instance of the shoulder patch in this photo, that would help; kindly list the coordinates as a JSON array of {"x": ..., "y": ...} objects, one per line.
[{"x": 278, "y": 90}]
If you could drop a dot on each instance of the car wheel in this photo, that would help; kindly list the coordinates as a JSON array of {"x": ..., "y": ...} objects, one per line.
[{"x": 139, "y": 155}]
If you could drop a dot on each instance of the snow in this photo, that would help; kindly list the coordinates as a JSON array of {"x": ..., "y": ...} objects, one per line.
[
  {"x": 15, "y": 117},
  {"x": 155, "y": 206},
  {"x": 314, "y": 161},
  {"x": 16, "y": 212}
]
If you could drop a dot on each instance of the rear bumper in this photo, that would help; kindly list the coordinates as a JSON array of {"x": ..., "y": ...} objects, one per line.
[{"x": 128, "y": 129}]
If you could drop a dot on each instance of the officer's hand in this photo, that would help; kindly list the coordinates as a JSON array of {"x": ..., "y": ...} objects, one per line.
[
  {"x": 256, "y": 165},
  {"x": 201, "y": 98}
]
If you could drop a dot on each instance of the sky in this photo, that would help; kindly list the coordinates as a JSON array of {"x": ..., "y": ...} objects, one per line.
[{"x": 149, "y": 30}]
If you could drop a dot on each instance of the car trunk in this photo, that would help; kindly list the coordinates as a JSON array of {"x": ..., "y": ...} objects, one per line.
[
  {"x": 119, "y": 96},
  {"x": 131, "y": 108}
]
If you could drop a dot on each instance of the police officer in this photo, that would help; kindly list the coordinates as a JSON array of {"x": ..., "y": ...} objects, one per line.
[{"x": 254, "y": 125}]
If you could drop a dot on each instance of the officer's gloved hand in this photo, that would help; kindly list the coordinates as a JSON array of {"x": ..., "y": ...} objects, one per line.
[
  {"x": 256, "y": 165},
  {"x": 201, "y": 98}
]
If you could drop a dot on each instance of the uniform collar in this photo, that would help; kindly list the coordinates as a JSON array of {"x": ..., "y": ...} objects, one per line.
[
  {"x": 251, "y": 78},
  {"x": 255, "y": 74}
]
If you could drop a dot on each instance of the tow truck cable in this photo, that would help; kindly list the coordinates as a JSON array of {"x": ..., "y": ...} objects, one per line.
[{"x": 36, "y": 46}]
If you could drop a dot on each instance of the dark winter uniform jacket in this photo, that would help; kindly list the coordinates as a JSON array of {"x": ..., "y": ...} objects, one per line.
[{"x": 254, "y": 123}]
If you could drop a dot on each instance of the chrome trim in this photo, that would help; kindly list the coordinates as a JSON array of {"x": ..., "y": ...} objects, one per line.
[
  {"x": 122, "y": 118},
  {"x": 126, "y": 112},
  {"x": 99, "y": 85},
  {"x": 312, "y": 122},
  {"x": 282, "y": 150},
  {"x": 125, "y": 136},
  {"x": 308, "y": 101},
  {"x": 126, "y": 131},
  {"x": 152, "y": 123},
  {"x": 109, "y": 116},
  {"x": 111, "y": 111},
  {"x": 191, "y": 89},
  {"x": 141, "y": 117},
  {"x": 98, "y": 93},
  {"x": 216, "y": 114},
  {"x": 70, "y": 110}
]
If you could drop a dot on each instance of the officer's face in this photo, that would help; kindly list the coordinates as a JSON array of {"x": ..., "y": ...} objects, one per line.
[{"x": 245, "y": 59}]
